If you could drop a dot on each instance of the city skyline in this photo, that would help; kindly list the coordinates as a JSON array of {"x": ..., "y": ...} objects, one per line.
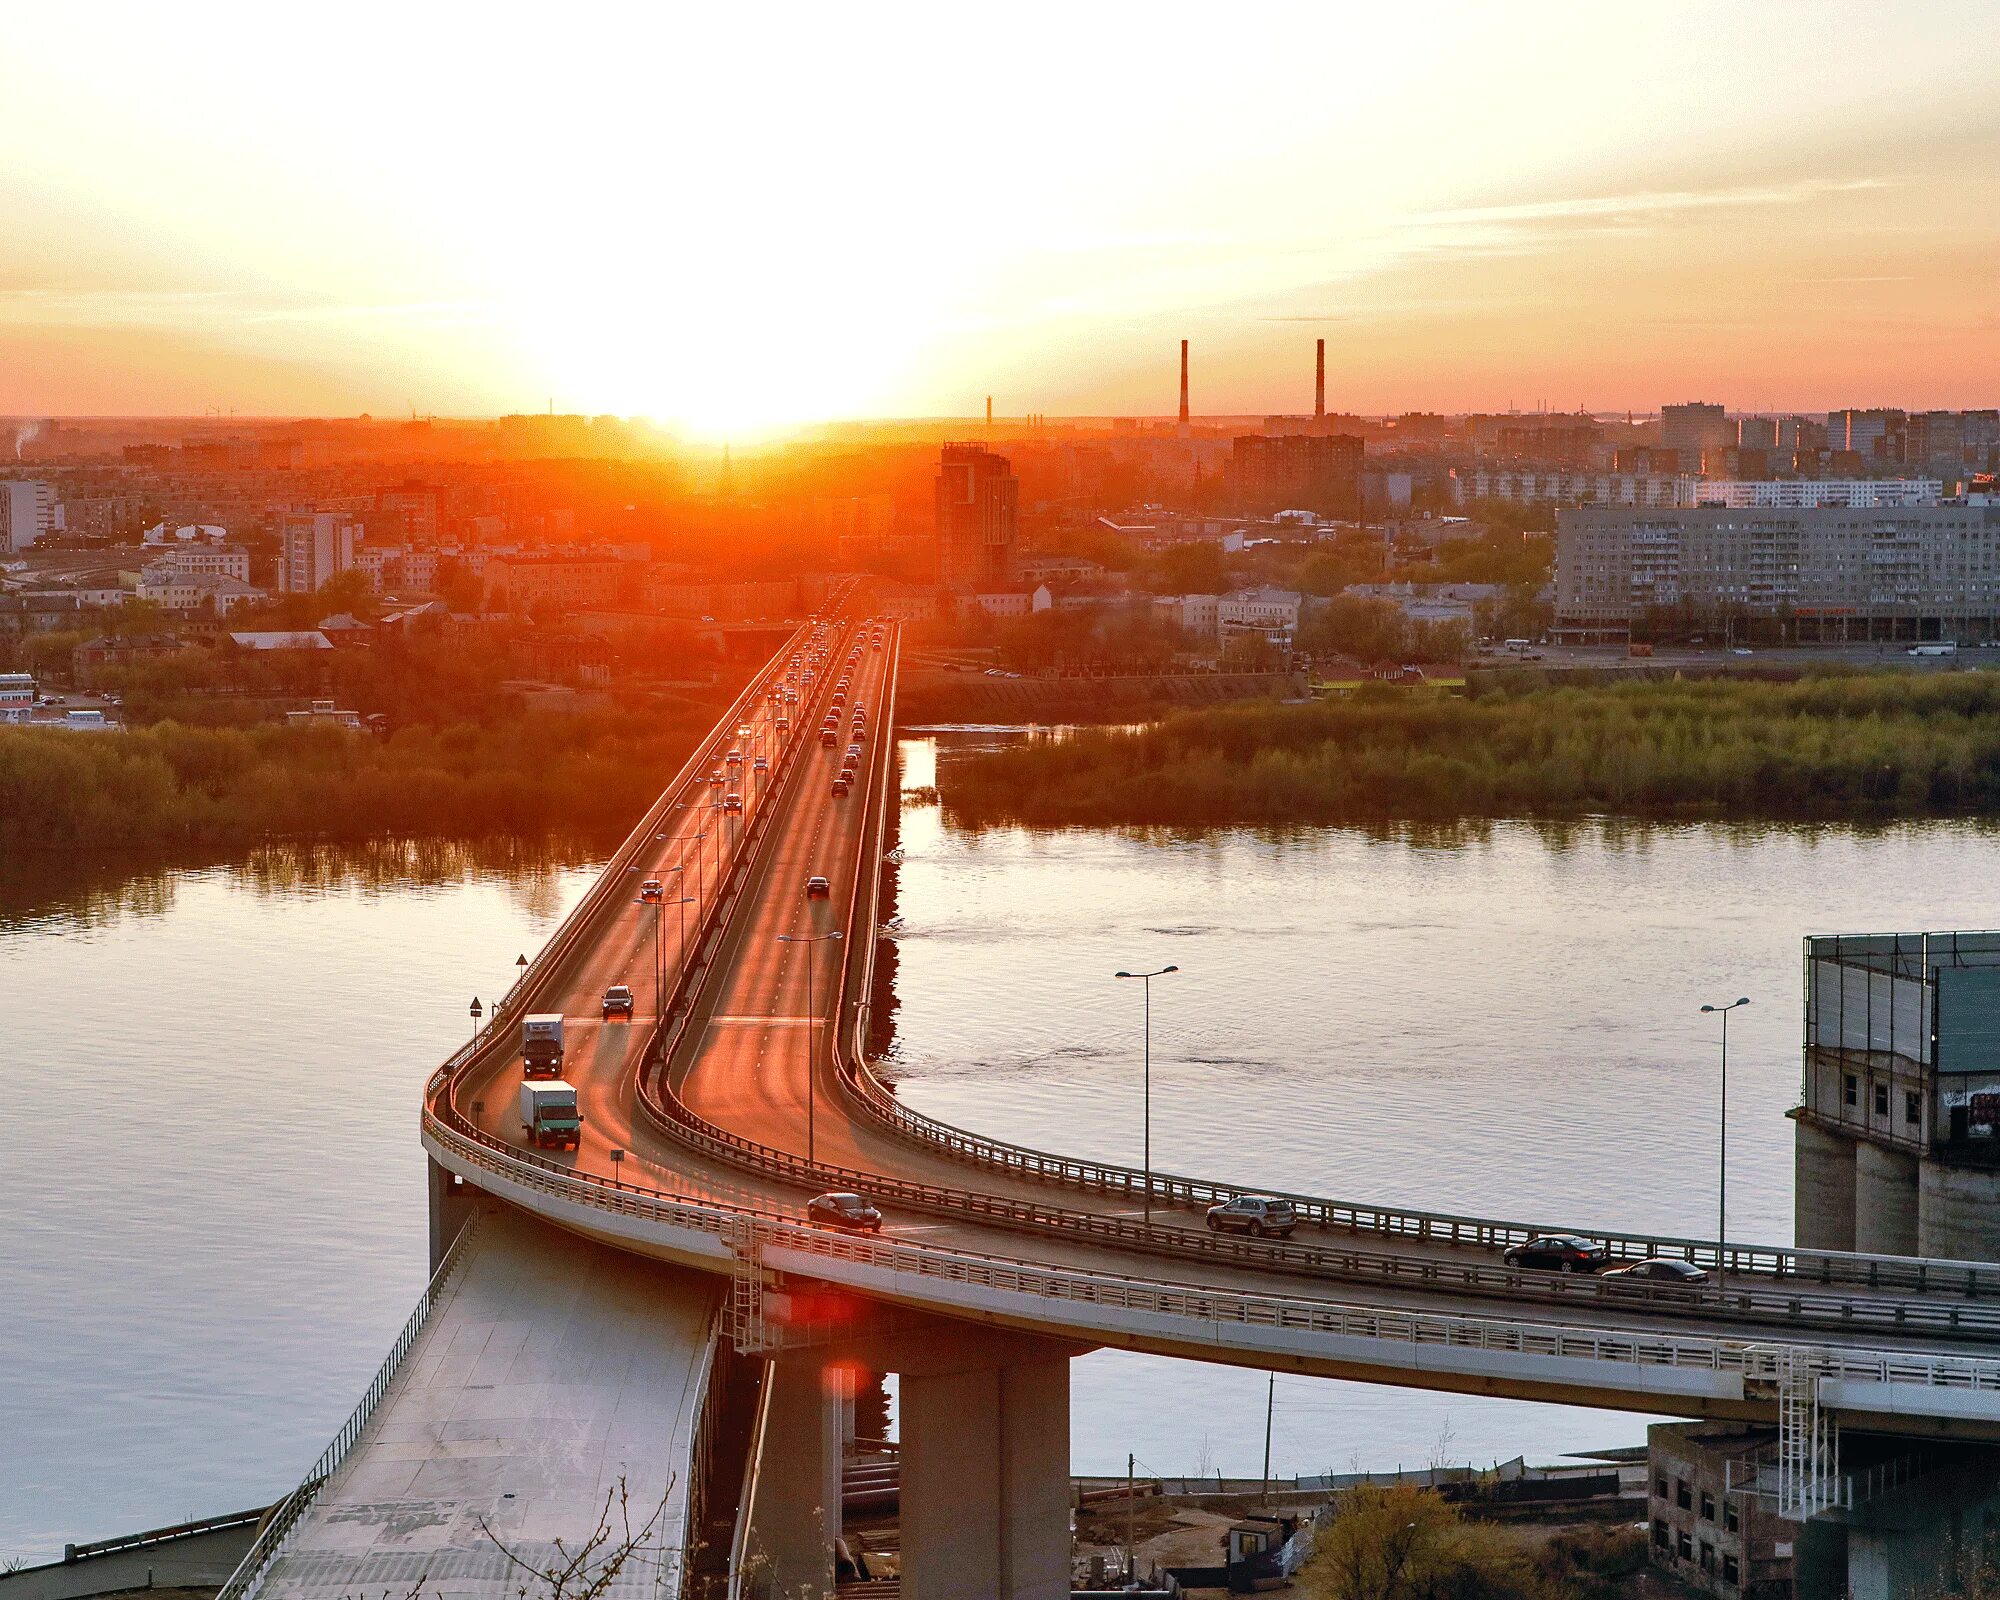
[{"x": 739, "y": 231}]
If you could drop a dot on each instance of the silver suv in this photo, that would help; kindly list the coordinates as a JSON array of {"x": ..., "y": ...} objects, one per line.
[{"x": 1260, "y": 1215}]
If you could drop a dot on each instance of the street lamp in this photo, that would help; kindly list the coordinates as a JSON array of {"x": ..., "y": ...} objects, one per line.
[
  {"x": 1722, "y": 1138},
  {"x": 812, "y": 1055},
  {"x": 1146, "y": 978}
]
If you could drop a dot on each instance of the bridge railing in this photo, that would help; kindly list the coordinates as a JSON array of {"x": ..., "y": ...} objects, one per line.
[
  {"x": 1827, "y": 1267},
  {"x": 1195, "y": 1313}
]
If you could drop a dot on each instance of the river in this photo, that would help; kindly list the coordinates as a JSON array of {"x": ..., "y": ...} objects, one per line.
[{"x": 219, "y": 1226}]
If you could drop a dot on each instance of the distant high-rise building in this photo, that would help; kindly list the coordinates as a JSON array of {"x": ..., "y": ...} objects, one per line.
[
  {"x": 1319, "y": 472},
  {"x": 978, "y": 513},
  {"x": 314, "y": 545},
  {"x": 29, "y": 510},
  {"x": 1693, "y": 430},
  {"x": 1874, "y": 433},
  {"x": 1757, "y": 433}
]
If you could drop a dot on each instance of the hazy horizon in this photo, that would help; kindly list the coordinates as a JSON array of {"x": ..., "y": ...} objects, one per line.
[{"x": 739, "y": 226}]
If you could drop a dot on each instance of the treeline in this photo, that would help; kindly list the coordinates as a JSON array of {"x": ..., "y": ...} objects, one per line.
[
  {"x": 588, "y": 776},
  {"x": 1872, "y": 746}
]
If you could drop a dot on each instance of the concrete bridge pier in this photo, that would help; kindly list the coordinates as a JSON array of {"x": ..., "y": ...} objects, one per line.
[
  {"x": 451, "y": 1203},
  {"x": 985, "y": 1491},
  {"x": 794, "y": 1510}
]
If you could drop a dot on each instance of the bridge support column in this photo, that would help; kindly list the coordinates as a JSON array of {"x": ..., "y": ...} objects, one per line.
[
  {"x": 1823, "y": 1189},
  {"x": 985, "y": 1492},
  {"x": 795, "y": 1515},
  {"x": 451, "y": 1204},
  {"x": 1885, "y": 1200}
]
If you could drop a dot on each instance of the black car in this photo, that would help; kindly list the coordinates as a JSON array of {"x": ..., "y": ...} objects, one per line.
[
  {"x": 1658, "y": 1269},
  {"x": 844, "y": 1210},
  {"x": 1558, "y": 1252}
]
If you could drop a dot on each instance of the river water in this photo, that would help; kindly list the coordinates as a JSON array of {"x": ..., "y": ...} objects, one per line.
[{"x": 220, "y": 1223}]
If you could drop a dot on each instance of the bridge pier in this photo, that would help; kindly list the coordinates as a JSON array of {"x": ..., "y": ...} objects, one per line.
[
  {"x": 795, "y": 1510},
  {"x": 985, "y": 1489},
  {"x": 451, "y": 1202}
]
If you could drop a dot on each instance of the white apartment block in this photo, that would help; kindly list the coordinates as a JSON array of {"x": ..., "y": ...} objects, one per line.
[
  {"x": 29, "y": 510},
  {"x": 1806, "y": 493},
  {"x": 223, "y": 560},
  {"x": 315, "y": 545},
  {"x": 1572, "y": 488}
]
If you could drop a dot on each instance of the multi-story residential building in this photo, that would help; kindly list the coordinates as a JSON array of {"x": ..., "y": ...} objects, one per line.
[
  {"x": 29, "y": 510},
  {"x": 1876, "y": 433},
  {"x": 1272, "y": 614},
  {"x": 1297, "y": 471},
  {"x": 1805, "y": 492},
  {"x": 1528, "y": 487},
  {"x": 223, "y": 560},
  {"x": 1825, "y": 573},
  {"x": 978, "y": 501},
  {"x": 1196, "y": 614},
  {"x": 534, "y": 583},
  {"x": 313, "y": 547},
  {"x": 17, "y": 696},
  {"x": 1695, "y": 429}
]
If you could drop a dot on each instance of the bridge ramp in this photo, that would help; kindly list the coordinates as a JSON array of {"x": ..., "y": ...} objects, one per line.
[{"x": 555, "y": 1373}]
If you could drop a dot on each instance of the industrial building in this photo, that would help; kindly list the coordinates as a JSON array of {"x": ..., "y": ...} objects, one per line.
[
  {"x": 1829, "y": 573},
  {"x": 1898, "y": 1130}
]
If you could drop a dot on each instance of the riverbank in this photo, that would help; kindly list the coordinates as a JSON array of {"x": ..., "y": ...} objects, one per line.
[
  {"x": 1870, "y": 746},
  {"x": 930, "y": 695},
  {"x": 174, "y": 788}
]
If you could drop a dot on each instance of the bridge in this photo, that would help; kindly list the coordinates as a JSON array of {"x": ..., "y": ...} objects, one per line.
[{"x": 649, "y": 1323}]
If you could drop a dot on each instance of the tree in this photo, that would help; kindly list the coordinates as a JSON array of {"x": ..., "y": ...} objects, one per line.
[
  {"x": 1372, "y": 630},
  {"x": 1190, "y": 569},
  {"x": 1386, "y": 1542}
]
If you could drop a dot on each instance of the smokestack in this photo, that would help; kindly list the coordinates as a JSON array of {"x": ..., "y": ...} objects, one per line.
[
  {"x": 1319, "y": 383},
  {"x": 1183, "y": 383},
  {"x": 989, "y": 411}
]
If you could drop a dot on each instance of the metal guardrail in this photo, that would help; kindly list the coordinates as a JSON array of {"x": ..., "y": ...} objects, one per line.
[
  {"x": 1207, "y": 1310},
  {"x": 73, "y": 1553},
  {"x": 284, "y": 1517},
  {"x": 1969, "y": 1278}
]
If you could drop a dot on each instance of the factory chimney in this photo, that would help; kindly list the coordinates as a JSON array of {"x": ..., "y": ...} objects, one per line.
[
  {"x": 1184, "y": 413},
  {"x": 1319, "y": 384},
  {"x": 989, "y": 411}
]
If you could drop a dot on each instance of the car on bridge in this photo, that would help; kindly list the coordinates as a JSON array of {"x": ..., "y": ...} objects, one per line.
[
  {"x": 1558, "y": 1252},
  {"x": 1259, "y": 1215},
  {"x": 840, "y": 787},
  {"x": 817, "y": 888},
  {"x": 618, "y": 1001},
  {"x": 715, "y": 777},
  {"x": 1661, "y": 1269},
  {"x": 732, "y": 802},
  {"x": 843, "y": 1210},
  {"x": 761, "y": 764},
  {"x": 652, "y": 891}
]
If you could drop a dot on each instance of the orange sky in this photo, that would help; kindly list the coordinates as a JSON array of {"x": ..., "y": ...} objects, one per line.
[{"x": 736, "y": 218}]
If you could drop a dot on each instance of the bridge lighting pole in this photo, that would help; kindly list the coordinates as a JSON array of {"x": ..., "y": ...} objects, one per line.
[
  {"x": 1146, "y": 979},
  {"x": 1722, "y": 1138},
  {"x": 812, "y": 1052}
]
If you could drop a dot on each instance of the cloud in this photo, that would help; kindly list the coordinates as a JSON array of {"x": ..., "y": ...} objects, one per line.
[{"x": 1642, "y": 204}]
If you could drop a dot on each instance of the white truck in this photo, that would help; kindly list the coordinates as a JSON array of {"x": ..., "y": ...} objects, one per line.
[
  {"x": 1950, "y": 648},
  {"x": 549, "y": 1115},
  {"x": 542, "y": 1045}
]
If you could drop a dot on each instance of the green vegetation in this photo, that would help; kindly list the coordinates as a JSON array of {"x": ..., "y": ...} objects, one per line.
[
  {"x": 1873, "y": 746},
  {"x": 1400, "y": 1542},
  {"x": 170, "y": 786}
]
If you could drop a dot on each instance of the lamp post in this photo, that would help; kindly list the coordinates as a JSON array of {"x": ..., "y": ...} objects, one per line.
[
  {"x": 1146, "y": 979},
  {"x": 1722, "y": 1137},
  {"x": 812, "y": 1054}
]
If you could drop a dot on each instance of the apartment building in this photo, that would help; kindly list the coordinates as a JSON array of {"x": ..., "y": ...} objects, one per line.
[{"x": 1826, "y": 573}]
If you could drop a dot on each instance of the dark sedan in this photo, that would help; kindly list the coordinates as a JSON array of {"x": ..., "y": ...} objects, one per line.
[
  {"x": 1558, "y": 1252},
  {"x": 1657, "y": 1269},
  {"x": 841, "y": 1210}
]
